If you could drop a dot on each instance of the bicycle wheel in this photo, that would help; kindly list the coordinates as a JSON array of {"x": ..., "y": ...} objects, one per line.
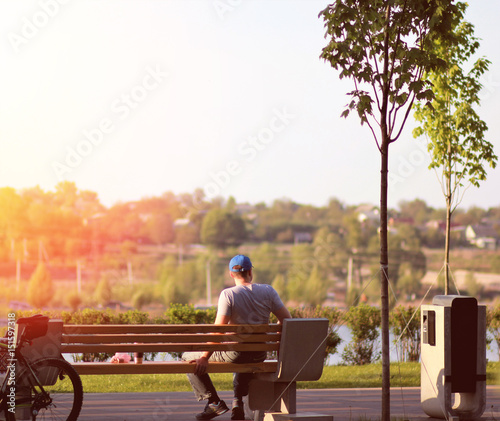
[{"x": 62, "y": 397}]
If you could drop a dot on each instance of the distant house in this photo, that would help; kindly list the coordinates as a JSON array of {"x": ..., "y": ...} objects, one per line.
[
  {"x": 368, "y": 213},
  {"x": 393, "y": 221},
  {"x": 302, "y": 237},
  {"x": 441, "y": 226},
  {"x": 482, "y": 236}
]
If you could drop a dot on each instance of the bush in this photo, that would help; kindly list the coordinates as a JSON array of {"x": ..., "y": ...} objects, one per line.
[
  {"x": 363, "y": 321},
  {"x": 334, "y": 317},
  {"x": 134, "y": 317},
  {"x": 187, "y": 314},
  {"x": 405, "y": 323},
  {"x": 493, "y": 325},
  {"x": 90, "y": 316}
]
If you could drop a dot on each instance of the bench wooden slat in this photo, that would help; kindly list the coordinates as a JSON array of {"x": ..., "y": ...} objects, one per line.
[
  {"x": 152, "y": 328},
  {"x": 78, "y": 339},
  {"x": 159, "y": 347},
  {"x": 171, "y": 367},
  {"x": 169, "y": 338}
]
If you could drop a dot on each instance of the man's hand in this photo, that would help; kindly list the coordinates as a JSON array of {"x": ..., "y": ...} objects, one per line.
[
  {"x": 202, "y": 362},
  {"x": 201, "y": 365}
]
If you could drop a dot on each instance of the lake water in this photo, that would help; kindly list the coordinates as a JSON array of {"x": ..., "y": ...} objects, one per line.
[{"x": 345, "y": 335}]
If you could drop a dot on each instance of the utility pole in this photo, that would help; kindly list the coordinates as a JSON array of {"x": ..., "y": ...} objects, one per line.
[{"x": 349, "y": 274}]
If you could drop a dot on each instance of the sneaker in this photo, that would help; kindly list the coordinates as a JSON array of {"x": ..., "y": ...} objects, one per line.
[
  {"x": 238, "y": 413},
  {"x": 212, "y": 410}
]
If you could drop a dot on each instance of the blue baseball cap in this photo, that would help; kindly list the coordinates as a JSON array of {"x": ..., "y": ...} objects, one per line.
[{"x": 240, "y": 260}]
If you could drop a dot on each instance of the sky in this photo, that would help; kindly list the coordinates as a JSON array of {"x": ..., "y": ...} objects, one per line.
[{"x": 132, "y": 99}]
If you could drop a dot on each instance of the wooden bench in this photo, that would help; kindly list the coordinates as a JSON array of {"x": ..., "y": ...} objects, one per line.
[
  {"x": 169, "y": 338},
  {"x": 300, "y": 344}
]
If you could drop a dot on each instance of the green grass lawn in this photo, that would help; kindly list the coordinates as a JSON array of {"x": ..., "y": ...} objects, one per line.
[{"x": 334, "y": 377}]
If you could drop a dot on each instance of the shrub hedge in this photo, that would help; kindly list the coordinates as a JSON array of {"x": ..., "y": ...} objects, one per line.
[{"x": 363, "y": 322}]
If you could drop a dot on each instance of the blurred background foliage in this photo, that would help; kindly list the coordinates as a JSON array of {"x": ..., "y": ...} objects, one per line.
[{"x": 68, "y": 251}]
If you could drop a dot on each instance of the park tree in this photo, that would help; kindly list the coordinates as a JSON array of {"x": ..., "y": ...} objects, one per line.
[
  {"x": 473, "y": 216},
  {"x": 279, "y": 284},
  {"x": 122, "y": 222},
  {"x": 330, "y": 252},
  {"x": 270, "y": 264},
  {"x": 160, "y": 228},
  {"x": 455, "y": 132},
  {"x": 222, "y": 229},
  {"x": 302, "y": 263},
  {"x": 416, "y": 209},
  {"x": 316, "y": 288},
  {"x": 335, "y": 211},
  {"x": 159, "y": 213},
  {"x": 103, "y": 292},
  {"x": 385, "y": 47},
  {"x": 65, "y": 195},
  {"x": 141, "y": 298},
  {"x": 88, "y": 204},
  {"x": 354, "y": 232},
  {"x": 174, "y": 293},
  {"x": 40, "y": 287},
  {"x": 180, "y": 283},
  {"x": 409, "y": 280},
  {"x": 74, "y": 299}
]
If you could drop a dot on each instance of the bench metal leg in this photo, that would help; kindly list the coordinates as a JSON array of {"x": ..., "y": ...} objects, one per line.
[
  {"x": 288, "y": 397},
  {"x": 273, "y": 396}
]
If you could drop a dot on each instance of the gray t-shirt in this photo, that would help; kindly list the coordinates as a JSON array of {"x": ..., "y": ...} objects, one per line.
[{"x": 249, "y": 304}]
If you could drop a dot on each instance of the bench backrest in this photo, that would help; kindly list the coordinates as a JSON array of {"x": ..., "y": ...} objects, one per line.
[
  {"x": 302, "y": 349},
  {"x": 300, "y": 343},
  {"x": 169, "y": 338}
]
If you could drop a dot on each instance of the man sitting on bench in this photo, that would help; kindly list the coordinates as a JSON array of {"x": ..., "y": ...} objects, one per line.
[{"x": 245, "y": 303}]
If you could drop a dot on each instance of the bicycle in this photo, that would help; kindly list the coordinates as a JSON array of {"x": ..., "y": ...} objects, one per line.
[{"x": 45, "y": 389}]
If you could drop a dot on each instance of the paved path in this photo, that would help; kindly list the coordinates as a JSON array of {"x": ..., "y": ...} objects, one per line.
[{"x": 343, "y": 404}]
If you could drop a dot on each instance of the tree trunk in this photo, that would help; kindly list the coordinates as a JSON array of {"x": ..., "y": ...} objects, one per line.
[
  {"x": 384, "y": 280},
  {"x": 447, "y": 248},
  {"x": 384, "y": 249},
  {"x": 449, "y": 197}
]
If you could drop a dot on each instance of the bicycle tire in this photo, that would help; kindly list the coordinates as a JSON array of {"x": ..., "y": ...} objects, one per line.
[{"x": 64, "y": 388}]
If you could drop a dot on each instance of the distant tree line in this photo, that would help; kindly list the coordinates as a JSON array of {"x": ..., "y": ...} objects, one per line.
[
  {"x": 69, "y": 223},
  {"x": 304, "y": 251}
]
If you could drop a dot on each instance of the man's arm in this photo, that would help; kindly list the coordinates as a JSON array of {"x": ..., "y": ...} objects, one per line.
[
  {"x": 202, "y": 362},
  {"x": 282, "y": 313}
]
